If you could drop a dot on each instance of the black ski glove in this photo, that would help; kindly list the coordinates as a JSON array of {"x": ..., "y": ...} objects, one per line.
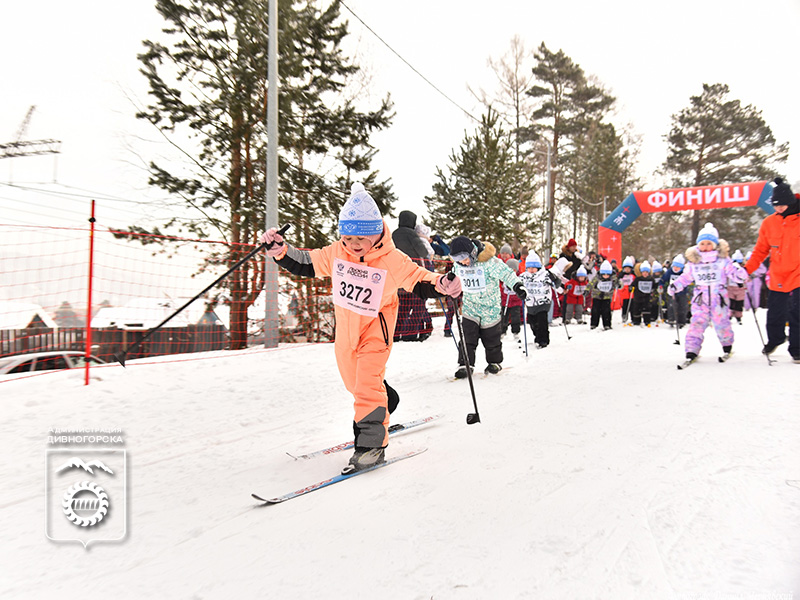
[{"x": 520, "y": 291}]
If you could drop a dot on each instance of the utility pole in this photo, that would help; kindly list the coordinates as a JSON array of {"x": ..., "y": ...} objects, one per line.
[
  {"x": 271, "y": 321},
  {"x": 19, "y": 147}
]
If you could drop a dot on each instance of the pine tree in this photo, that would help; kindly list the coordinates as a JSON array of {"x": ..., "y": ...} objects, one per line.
[
  {"x": 207, "y": 86},
  {"x": 716, "y": 140},
  {"x": 568, "y": 105},
  {"x": 482, "y": 188}
]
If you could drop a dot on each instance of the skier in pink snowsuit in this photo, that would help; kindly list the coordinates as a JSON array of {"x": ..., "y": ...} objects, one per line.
[{"x": 711, "y": 270}]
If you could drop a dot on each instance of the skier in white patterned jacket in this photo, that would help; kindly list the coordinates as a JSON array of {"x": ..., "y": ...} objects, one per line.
[{"x": 476, "y": 261}]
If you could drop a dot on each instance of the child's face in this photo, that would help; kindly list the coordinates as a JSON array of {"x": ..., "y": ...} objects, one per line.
[
  {"x": 676, "y": 269},
  {"x": 581, "y": 279},
  {"x": 532, "y": 269},
  {"x": 359, "y": 245},
  {"x": 705, "y": 246},
  {"x": 626, "y": 269},
  {"x": 780, "y": 208},
  {"x": 605, "y": 275}
]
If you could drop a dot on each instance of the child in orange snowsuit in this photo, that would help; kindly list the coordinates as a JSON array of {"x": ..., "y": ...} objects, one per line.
[{"x": 366, "y": 271}]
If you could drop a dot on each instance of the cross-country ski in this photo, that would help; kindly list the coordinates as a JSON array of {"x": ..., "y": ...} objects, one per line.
[
  {"x": 393, "y": 429},
  {"x": 335, "y": 479}
]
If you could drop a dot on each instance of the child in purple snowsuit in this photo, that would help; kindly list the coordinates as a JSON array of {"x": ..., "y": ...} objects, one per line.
[{"x": 711, "y": 270}]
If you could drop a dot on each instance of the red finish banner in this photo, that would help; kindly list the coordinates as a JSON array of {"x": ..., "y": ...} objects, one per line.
[{"x": 713, "y": 196}]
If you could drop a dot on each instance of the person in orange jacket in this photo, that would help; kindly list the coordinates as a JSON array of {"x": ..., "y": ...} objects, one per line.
[
  {"x": 779, "y": 238},
  {"x": 366, "y": 270}
]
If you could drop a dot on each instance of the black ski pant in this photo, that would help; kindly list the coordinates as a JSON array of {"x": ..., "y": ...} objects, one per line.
[
  {"x": 640, "y": 310},
  {"x": 540, "y": 327},
  {"x": 783, "y": 307},
  {"x": 489, "y": 336},
  {"x": 512, "y": 315},
  {"x": 601, "y": 307},
  {"x": 678, "y": 309}
]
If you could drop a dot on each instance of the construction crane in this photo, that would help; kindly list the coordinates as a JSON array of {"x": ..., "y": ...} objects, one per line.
[{"x": 28, "y": 148}]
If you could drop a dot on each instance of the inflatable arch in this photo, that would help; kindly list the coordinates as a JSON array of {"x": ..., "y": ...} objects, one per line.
[{"x": 735, "y": 195}]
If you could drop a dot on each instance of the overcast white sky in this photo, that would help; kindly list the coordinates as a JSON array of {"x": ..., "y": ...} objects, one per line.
[{"x": 77, "y": 62}]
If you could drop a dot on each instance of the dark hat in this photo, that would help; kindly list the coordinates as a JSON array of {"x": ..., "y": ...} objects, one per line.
[
  {"x": 461, "y": 245},
  {"x": 782, "y": 194}
]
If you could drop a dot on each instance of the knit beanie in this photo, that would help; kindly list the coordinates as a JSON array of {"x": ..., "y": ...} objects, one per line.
[
  {"x": 645, "y": 266},
  {"x": 708, "y": 232},
  {"x": 533, "y": 260},
  {"x": 782, "y": 194},
  {"x": 657, "y": 266},
  {"x": 679, "y": 261},
  {"x": 738, "y": 256},
  {"x": 513, "y": 263},
  {"x": 628, "y": 262},
  {"x": 605, "y": 268},
  {"x": 462, "y": 248},
  {"x": 505, "y": 249},
  {"x": 581, "y": 272},
  {"x": 571, "y": 243},
  {"x": 360, "y": 215}
]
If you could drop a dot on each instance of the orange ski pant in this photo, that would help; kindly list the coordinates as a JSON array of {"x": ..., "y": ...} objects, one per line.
[{"x": 362, "y": 370}]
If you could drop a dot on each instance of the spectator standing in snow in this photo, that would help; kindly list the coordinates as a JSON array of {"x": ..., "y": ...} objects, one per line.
[
  {"x": 414, "y": 323},
  {"x": 779, "y": 238},
  {"x": 367, "y": 270}
]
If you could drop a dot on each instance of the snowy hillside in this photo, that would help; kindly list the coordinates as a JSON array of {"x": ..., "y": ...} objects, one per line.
[{"x": 599, "y": 471}]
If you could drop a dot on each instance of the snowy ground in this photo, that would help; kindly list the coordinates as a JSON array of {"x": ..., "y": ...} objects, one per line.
[{"x": 599, "y": 471}]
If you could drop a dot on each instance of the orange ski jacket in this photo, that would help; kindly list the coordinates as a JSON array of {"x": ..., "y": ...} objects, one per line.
[{"x": 779, "y": 238}]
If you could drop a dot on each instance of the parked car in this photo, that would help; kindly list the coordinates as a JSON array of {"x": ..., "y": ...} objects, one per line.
[{"x": 45, "y": 361}]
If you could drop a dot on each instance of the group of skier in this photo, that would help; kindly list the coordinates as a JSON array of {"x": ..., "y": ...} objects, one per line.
[{"x": 368, "y": 271}]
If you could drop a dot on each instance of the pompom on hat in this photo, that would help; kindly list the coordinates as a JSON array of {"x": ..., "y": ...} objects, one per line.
[
  {"x": 710, "y": 233},
  {"x": 605, "y": 268},
  {"x": 533, "y": 260},
  {"x": 360, "y": 215}
]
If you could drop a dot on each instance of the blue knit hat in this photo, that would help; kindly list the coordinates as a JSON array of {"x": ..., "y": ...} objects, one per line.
[
  {"x": 581, "y": 272},
  {"x": 360, "y": 215},
  {"x": 605, "y": 268},
  {"x": 657, "y": 267},
  {"x": 533, "y": 260},
  {"x": 708, "y": 232},
  {"x": 679, "y": 261},
  {"x": 628, "y": 262},
  {"x": 738, "y": 257},
  {"x": 645, "y": 266}
]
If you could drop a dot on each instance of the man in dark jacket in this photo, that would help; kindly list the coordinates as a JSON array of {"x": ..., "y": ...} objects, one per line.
[{"x": 414, "y": 322}]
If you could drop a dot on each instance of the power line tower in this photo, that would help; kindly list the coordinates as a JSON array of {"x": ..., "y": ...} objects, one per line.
[{"x": 28, "y": 148}]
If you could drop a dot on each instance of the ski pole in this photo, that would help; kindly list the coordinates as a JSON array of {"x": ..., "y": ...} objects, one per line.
[
  {"x": 472, "y": 418},
  {"x": 525, "y": 326},
  {"x": 121, "y": 357},
  {"x": 563, "y": 317},
  {"x": 755, "y": 317}
]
